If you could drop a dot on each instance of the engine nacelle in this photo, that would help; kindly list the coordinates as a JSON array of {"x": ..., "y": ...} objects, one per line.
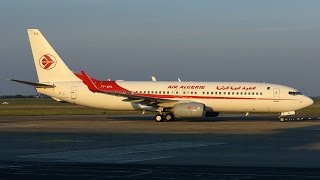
[{"x": 189, "y": 110}]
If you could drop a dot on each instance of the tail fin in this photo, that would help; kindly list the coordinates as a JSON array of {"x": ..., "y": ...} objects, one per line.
[{"x": 50, "y": 67}]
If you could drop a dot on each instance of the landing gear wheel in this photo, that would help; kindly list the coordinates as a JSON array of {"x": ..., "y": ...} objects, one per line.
[
  {"x": 168, "y": 117},
  {"x": 158, "y": 118}
]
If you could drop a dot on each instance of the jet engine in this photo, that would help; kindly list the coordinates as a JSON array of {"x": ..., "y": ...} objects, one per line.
[{"x": 189, "y": 110}]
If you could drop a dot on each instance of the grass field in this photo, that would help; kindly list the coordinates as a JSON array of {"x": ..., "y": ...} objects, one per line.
[
  {"x": 312, "y": 110},
  {"x": 47, "y": 106}
]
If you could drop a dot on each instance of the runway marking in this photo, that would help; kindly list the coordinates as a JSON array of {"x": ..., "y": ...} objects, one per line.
[
  {"x": 61, "y": 141},
  {"x": 125, "y": 154},
  {"x": 10, "y": 166}
]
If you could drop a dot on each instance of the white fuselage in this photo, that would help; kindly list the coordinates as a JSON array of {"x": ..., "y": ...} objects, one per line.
[{"x": 217, "y": 96}]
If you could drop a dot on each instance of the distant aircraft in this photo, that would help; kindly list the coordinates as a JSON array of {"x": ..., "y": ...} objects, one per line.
[{"x": 168, "y": 99}]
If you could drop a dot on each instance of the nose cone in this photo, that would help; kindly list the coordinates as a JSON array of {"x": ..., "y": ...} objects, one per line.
[{"x": 307, "y": 101}]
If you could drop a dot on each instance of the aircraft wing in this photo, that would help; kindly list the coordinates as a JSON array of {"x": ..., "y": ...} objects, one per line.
[{"x": 130, "y": 96}]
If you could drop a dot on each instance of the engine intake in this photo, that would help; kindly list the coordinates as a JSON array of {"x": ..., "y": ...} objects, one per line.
[{"x": 189, "y": 110}]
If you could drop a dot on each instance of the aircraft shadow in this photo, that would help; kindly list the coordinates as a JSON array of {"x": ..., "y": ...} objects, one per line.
[{"x": 232, "y": 117}]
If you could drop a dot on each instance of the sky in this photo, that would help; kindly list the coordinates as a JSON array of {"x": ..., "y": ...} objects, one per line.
[{"x": 274, "y": 41}]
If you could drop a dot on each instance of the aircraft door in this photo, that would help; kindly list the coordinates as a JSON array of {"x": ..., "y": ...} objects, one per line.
[
  {"x": 73, "y": 92},
  {"x": 276, "y": 94}
]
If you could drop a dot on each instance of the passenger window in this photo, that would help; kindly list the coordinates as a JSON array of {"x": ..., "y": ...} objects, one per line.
[
  {"x": 216, "y": 93},
  {"x": 261, "y": 93}
]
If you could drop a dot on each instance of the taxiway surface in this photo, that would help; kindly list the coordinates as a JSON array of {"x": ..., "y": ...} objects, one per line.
[{"x": 231, "y": 146}]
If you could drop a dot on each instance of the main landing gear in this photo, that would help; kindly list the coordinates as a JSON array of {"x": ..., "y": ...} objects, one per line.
[{"x": 164, "y": 117}]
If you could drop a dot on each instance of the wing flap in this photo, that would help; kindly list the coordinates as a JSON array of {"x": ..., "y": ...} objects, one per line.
[{"x": 133, "y": 100}]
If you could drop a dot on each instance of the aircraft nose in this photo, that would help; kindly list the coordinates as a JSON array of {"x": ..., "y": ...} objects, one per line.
[{"x": 307, "y": 101}]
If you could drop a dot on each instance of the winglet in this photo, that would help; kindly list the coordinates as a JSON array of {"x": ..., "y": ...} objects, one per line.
[{"x": 90, "y": 84}]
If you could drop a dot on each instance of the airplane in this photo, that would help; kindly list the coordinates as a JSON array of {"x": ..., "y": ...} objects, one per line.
[{"x": 167, "y": 99}]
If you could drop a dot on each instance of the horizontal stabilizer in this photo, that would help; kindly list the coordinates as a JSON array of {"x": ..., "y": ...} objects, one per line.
[{"x": 37, "y": 85}]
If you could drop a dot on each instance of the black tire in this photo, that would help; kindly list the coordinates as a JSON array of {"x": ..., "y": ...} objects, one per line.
[
  {"x": 169, "y": 117},
  {"x": 158, "y": 118}
]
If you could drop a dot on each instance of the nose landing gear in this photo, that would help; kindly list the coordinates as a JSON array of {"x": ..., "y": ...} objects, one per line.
[{"x": 298, "y": 118}]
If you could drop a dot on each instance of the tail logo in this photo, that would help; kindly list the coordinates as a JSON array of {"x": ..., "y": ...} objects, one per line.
[{"x": 47, "y": 61}]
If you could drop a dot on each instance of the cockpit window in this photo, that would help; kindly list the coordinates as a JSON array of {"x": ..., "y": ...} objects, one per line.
[{"x": 294, "y": 93}]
